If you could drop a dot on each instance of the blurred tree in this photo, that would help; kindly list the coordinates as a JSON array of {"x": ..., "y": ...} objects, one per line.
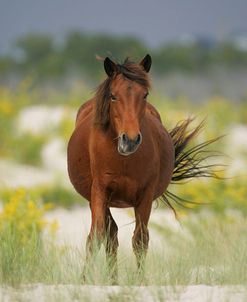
[
  {"x": 228, "y": 54},
  {"x": 189, "y": 58},
  {"x": 40, "y": 56},
  {"x": 7, "y": 65},
  {"x": 81, "y": 50},
  {"x": 35, "y": 47}
]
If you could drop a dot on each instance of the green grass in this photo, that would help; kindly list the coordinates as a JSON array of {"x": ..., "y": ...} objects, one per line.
[{"x": 211, "y": 250}]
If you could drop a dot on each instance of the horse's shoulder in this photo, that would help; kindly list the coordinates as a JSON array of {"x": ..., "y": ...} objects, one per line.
[
  {"x": 152, "y": 110},
  {"x": 84, "y": 110}
]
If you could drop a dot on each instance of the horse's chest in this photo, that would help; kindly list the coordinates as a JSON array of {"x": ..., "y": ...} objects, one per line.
[
  {"x": 134, "y": 169},
  {"x": 127, "y": 182},
  {"x": 124, "y": 191}
]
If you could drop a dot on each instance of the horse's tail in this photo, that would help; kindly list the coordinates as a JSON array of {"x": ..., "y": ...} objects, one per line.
[{"x": 190, "y": 162}]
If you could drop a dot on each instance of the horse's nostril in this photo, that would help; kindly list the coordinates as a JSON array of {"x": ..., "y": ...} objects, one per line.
[
  {"x": 126, "y": 140},
  {"x": 138, "y": 139},
  {"x": 124, "y": 137}
]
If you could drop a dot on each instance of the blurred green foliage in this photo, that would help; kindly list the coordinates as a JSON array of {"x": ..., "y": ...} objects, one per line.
[
  {"x": 26, "y": 147},
  {"x": 23, "y": 147},
  {"x": 43, "y": 57},
  {"x": 215, "y": 195},
  {"x": 56, "y": 194}
]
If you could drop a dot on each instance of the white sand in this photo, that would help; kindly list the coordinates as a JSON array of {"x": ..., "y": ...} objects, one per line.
[
  {"x": 197, "y": 293},
  {"x": 13, "y": 175},
  {"x": 41, "y": 119},
  {"x": 74, "y": 225}
]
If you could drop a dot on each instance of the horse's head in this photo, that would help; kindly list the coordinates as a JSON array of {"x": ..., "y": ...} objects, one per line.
[{"x": 126, "y": 92}]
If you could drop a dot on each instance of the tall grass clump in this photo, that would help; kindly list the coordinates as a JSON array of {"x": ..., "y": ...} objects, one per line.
[
  {"x": 210, "y": 249},
  {"x": 21, "y": 225}
]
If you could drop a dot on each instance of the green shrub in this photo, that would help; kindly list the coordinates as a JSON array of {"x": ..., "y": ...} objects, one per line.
[
  {"x": 216, "y": 195},
  {"x": 21, "y": 225},
  {"x": 26, "y": 148}
]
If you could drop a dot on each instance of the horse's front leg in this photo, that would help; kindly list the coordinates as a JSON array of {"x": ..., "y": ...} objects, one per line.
[
  {"x": 140, "y": 238},
  {"x": 98, "y": 210},
  {"x": 111, "y": 246}
]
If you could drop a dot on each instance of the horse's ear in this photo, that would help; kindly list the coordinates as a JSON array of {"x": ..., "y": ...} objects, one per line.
[
  {"x": 110, "y": 67},
  {"x": 146, "y": 62}
]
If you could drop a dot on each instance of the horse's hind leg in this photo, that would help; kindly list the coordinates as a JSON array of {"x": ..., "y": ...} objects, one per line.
[{"x": 111, "y": 245}]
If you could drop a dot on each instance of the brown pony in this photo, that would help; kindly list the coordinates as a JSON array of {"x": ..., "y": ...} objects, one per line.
[{"x": 120, "y": 155}]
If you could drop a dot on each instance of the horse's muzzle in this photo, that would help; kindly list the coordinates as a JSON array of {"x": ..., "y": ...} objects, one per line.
[{"x": 127, "y": 146}]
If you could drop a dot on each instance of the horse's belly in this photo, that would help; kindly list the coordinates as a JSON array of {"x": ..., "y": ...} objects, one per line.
[
  {"x": 167, "y": 158},
  {"x": 79, "y": 162},
  {"x": 116, "y": 203}
]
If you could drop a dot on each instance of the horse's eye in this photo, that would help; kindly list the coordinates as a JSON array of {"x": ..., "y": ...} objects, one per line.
[
  {"x": 113, "y": 98},
  {"x": 145, "y": 96}
]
